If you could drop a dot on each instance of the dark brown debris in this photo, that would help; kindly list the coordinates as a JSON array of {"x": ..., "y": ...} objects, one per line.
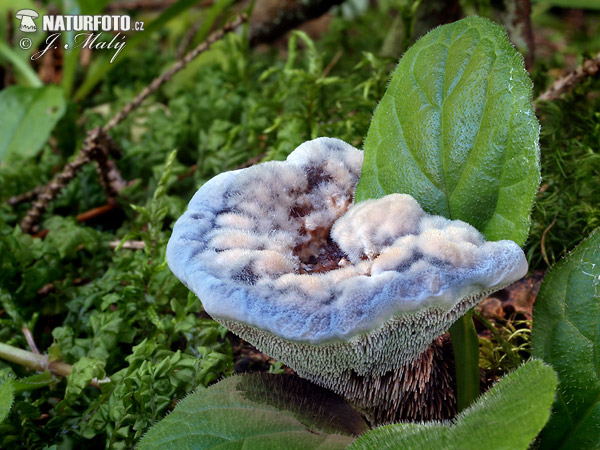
[
  {"x": 518, "y": 298},
  {"x": 247, "y": 358}
]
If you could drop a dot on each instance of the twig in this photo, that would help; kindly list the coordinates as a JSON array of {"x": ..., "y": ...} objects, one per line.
[
  {"x": 85, "y": 216},
  {"x": 188, "y": 37},
  {"x": 95, "y": 212},
  {"x": 109, "y": 174},
  {"x": 542, "y": 243},
  {"x": 332, "y": 63},
  {"x": 589, "y": 68},
  {"x": 27, "y": 196},
  {"x": 30, "y": 341},
  {"x": 158, "y": 82},
  {"x": 48, "y": 192},
  {"x": 95, "y": 148},
  {"x": 98, "y": 144},
  {"x": 129, "y": 245}
]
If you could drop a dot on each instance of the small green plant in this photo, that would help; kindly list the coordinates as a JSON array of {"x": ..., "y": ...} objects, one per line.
[
  {"x": 509, "y": 345},
  {"x": 462, "y": 139},
  {"x": 131, "y": 342}
]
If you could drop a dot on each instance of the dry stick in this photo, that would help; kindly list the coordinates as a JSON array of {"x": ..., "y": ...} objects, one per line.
[
  {"x": 98, "y": 144},
  {"x": 589, "y": 68},
  {"x": 53, "y": 188},
  {"x": 543, "y": 244},
  {"x": 30, "y": 341},
  {"x": 27, "y": 196},
  {"x": 188, "y": 37},
  {"x": 95, "y": 212},
  {"x": 260, "y": 32},
  {"x": 158, "y": 82},
  {"x": 96, "y": 147},
  {"x": 130, "y": 245},
  {"x": 110, "y": 176},
  {"x": 332, "y": 63}
]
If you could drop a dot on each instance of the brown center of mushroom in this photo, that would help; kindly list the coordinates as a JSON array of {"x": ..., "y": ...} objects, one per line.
[{"x": 319, "y": 254}]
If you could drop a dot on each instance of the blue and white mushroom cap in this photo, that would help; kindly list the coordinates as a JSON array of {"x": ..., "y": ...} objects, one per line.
[{"x": 279, "y": 253}]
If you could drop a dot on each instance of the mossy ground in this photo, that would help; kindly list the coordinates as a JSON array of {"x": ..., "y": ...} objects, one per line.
[{"x": 123, "y": 310}]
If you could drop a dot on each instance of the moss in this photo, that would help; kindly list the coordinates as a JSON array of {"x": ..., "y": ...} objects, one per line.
[{"x": 567, "y": 207}]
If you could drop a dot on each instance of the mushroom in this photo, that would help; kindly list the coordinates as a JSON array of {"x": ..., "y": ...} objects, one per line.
[
  {"x": 351, "y": 296},
  {"x": 26, "y": 17}
]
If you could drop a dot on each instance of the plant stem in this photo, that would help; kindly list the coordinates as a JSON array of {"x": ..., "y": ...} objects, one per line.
[
  {"x": 33, "y": 361},
  {"x": 466, "y": 356},
  {"x": 41, "y": 363}
]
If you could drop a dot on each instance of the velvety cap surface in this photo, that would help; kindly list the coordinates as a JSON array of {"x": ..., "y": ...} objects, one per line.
[{"x": 280, "y": 247}]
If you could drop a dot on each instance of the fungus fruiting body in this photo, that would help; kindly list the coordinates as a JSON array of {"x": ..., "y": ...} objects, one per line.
[{"x": 280, "y": 255}]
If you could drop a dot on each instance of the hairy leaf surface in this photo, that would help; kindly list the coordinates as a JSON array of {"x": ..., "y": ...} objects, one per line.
[
  {"x": 508, "y": 416},
  {"x": 457, "y": 131},
  {"x": 566, "y": 334},
  {"x": 7, "y": 396},
  {"x": 259, "y": 411}
]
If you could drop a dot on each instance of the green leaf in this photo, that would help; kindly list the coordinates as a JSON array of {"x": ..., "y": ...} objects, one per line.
[
  {"x": 7, "y": 397},
  {"x": 566, "y": 325},
  {"x": 27, "y": 117},
  {"x": 33, "y": 382},
  {"x": 10, "y": 50},
  {"x": 84, "y": 371},
  {"x": 457, "y": 131},
  {"x": 259, "y": 411},
  {"x": 20, "y": 65},
  {"x": 508, "y": 416}
]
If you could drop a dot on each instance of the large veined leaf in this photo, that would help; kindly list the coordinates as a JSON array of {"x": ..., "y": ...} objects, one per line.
[
  {"x": 259, "y": 411},
  {"x": 27, "y": 116},
  {"x": 456, "y": 130},
  {"x": 566, "y": 334},
  {"x": 509, "y": 416}
]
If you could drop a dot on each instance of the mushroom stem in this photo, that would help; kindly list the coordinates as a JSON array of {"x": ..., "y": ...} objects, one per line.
[{"x": 422, "y": 390}]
